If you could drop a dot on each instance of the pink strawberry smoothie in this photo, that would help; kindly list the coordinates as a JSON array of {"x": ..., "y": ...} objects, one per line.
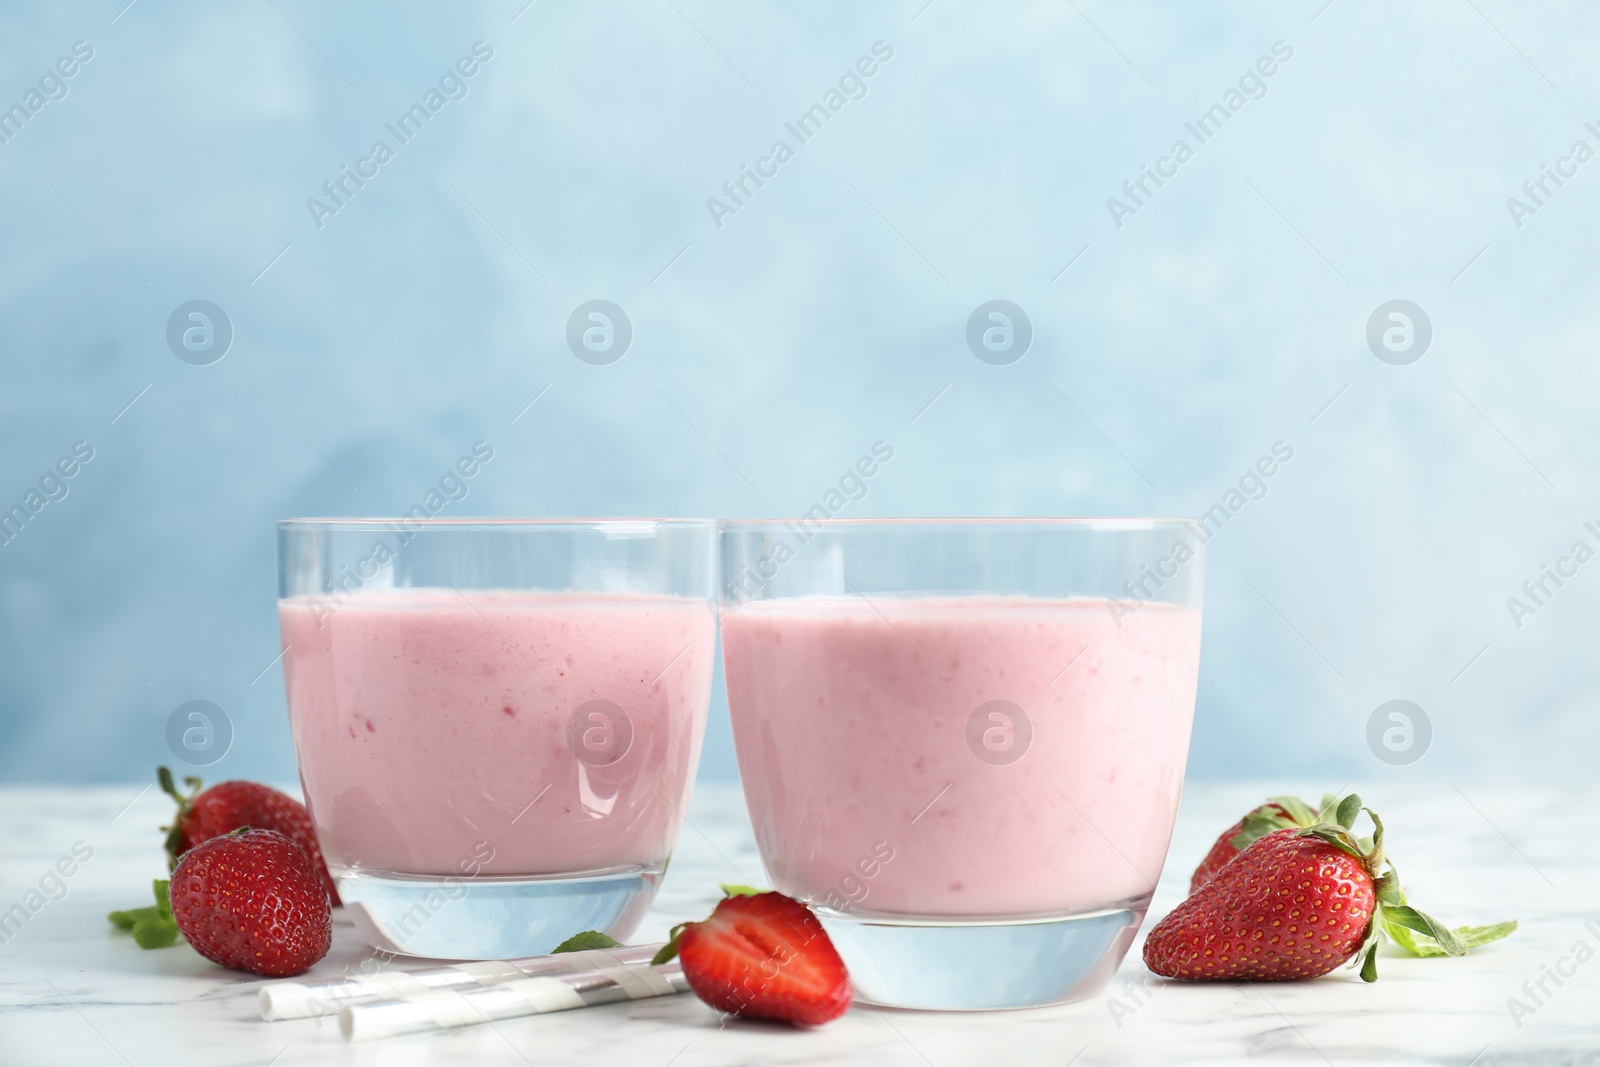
[
  {"x": 496, "y": 732},
  {"x": 882, "y": 781}
]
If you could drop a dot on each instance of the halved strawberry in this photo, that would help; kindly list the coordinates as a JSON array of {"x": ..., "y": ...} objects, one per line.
[{"x": 763, "y": 956}]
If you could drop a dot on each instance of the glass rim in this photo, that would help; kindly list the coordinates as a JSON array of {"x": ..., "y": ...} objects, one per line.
[
  {"x": 1107, "y": 522},
  {"x": 413, "y": 523}
]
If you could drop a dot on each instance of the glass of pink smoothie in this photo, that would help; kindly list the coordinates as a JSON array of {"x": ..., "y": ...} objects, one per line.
[
  {"x": 962, "y": 741},
  {"x": 497, "y": 722}
]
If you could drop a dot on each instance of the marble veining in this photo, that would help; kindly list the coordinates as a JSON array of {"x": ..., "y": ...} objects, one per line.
[{"x": 73, "y": 991}]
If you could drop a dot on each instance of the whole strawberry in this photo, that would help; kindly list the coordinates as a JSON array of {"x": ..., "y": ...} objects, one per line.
[
  {"x": 1290, "y": 906},
  {"x": 1297, "y": 903},
  {"x": 230, "y": 806},
  {"x": 1276, "y": 814},
  {"x": 251, "y": 900},
  {"x": 763, "y": 956}
]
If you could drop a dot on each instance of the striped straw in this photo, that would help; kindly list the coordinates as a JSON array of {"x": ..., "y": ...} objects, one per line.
[
  {"x": 304, "y": 1000},
  {"x": 447, "y": 1009}
]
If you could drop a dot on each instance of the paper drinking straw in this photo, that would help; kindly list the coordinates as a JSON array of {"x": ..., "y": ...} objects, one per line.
[
  {"x": 447, "y": 1009},
  {"x": 304, "y": 1000}
]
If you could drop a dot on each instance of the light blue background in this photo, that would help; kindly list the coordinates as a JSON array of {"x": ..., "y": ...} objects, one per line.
[{"x": 1227, "y": 314}]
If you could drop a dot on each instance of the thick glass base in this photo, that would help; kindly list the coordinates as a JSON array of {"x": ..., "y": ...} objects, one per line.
[
  {"x": 484, "y": 918},
  {"x": 952, "y": 965}
]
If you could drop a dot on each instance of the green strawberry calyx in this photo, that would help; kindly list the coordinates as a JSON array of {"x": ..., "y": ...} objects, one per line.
[
  {"x": 174, "y": 840},
  {"x": 670, "y": 949},
  {"x": 1411, "y": 929},
  {"x": 1279, "y": 813}
]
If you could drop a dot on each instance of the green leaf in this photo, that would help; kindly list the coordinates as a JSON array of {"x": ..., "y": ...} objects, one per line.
[
  {"x": 1252, "y": 828},
  {"x": 155, "y": 932},
  {"x": 1366, "y": 956},
  {"x": 152, "y": 926},
  {"x": 1299, "y": 811},
  {"x": 1325, "y": 810},
  {"x": 583, "y": 942},
  {"x": 1349, "y": 808},
  {"x": 670, "y": 949},
  {"x": 1268, "y": 819},
  {"x": 1336, "y": 836},
  {"x": 1473, "y": 936},
  {"x": 1375, "y": 848},
  {"x": 741, "y": 890},
  {"x": 1410, "y": 918},
  {"x": 1369, "y": 966},
  {"x": 1468, "y": 937},
  {"x": 125, "y": 920},
  {"x": 1414, "y": 943},
  {"x": 174, "y": 836}
]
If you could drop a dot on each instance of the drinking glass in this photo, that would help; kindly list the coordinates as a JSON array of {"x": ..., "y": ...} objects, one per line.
[
  {"x": 962, "y": 741},
  {"x": 497, "y": 721}
]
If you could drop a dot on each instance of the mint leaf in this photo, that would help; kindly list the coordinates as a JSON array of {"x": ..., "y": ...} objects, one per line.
[
  {"x": 155, "y": 933},
  {"x": 152, "y": 926},
  {"x": 583, "y": 942},
  {"x": 1406, "y": 916},
  {"x": 125, "y": 920},
  {"x": 1473, "y": 936},
  {"x": 1468, "y": 937},
  {"x": 1416, "y": 944}
]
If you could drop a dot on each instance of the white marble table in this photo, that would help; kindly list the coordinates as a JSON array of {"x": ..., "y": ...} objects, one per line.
[{"x": 73, "y": 992}]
